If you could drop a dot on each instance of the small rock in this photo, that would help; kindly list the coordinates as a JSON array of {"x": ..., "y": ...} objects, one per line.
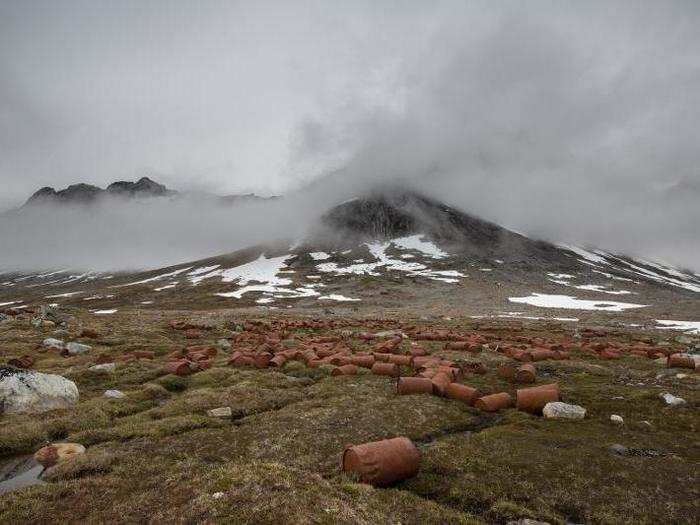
[
  {"x": 618, "y": 449},
  {"x": 617, "y": 419},
  {"x": 49, "y": 455},
  {"x": 559, "y": 410},
  {"x": 114, "y": 394},
  {"x": 645, "y": 425},
  {"x": 104, "y": 368},
  {"x": 684, "y": 340},
  {"x": 51, "y": 343},
  {"x": 224, "y": 344},
  {"x": 672, "y": 400},
  {"x": 220, "y": 412},
  {"x": 217, "y": 495},
  {"x": 300, "y": 380},
  {"x": 527, "y": 521},
  {"x": 77, "y": 348},
  {"x": 681, "y": 376}
]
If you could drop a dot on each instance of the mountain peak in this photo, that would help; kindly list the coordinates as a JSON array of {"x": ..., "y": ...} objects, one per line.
[{"x": 83, "y": 193}]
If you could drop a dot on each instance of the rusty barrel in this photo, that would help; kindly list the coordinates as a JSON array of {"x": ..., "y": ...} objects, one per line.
[
  {"x": 440, "y": 382},
  {"x": 414, "y": 385},
  {"x": 534, "y": 399},
  {"x": 381, "y": 463},
  {"x": 680, "y": 361},
  {"x": 180, "y": 367},
  {"x": 365, "y": 361},
  {"x": 462, "y": 392},
  {"x": 494, "y": 402},
  {"x": 526, "y": 373},
  {"x": 345, "y": 370},
  {"x": 385, "y": 369}
]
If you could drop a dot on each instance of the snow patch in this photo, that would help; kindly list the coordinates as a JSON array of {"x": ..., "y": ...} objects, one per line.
[
  {"x": 336, "y": 297},
  {"x": 690, "y": 327},
  {"x": 569, "y": 302}
]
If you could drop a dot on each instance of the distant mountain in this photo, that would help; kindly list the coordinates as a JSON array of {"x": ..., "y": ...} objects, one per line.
[
  {"x": 87, "y": 193},
  {"x": 143, "y": 188}
]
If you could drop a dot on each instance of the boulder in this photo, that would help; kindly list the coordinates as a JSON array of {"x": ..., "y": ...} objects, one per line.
[
  {"x": 559, "y": 410},
  {"x": 77, "y": 348},
  {"x": 25, "y": 392},
  {"x": 53, "y": 344},
  {"x": 672, "y": 400}
]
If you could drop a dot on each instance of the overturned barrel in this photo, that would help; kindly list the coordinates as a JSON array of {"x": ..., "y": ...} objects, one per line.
[
  {"x": 381, "y": 463},
  {"x": 494, "y": 402},
  {"x": 385, "y": 369},
  {"x": 534, "y": 399},
  {"x": 526, "y": 373},
  {"x": 462, "y": 392},
  {"x": 414, "y": 385}
]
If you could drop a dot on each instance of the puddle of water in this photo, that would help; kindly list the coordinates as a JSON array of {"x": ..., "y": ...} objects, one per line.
[{"x": 19, "y": 472}]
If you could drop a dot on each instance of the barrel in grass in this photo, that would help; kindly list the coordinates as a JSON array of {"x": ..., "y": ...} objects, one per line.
[
  {"x": 381, "y": 463},
  {"x": 533, "y": 399},
  {"x": 494, "y": 402}
]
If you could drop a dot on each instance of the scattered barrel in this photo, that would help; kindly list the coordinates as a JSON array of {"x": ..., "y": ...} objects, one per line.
[
  {"x": 385, "y": 369},
  {"x": 180, "y": 367},
  {"x": 381, "y": 463},
  {"x": 345, "y": 370},
  {"x": 534, "y": 399},
  {"x": 440, "y": 382},
  {"x": 680, "y": 361},
  {"x": 494, "y": 402},
  {"x": 414, "y": 385},
  {"x": 462, "y": 392},
  {"x": 526, "y": 373}
]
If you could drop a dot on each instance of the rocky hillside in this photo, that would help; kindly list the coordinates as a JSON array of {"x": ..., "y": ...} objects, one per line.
[{"x": 385, "y": 253}]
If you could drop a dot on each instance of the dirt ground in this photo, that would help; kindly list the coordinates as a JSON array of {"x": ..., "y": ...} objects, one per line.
[{"x": 156, "y": 456}]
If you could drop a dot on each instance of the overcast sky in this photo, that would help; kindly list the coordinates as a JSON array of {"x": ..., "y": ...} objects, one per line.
[{"x": 561, "y": 117}]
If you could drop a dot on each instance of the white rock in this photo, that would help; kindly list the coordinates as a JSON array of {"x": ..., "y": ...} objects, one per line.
[
  {"x": 114, "y": 394},
  {"x": 77, "y": 348},
  {"x": 25, "y": 392},
  {"x": 217, "y": 495},
  {"x": 559, "y": 410},
  {"x": 50, "y": 342},
  {"x": 224, "y": 343},
  {"x": 617, "y": 419},
  {"x": 672, "y": 400},
  {"x": 104, "y": 368},
  {"x": 220, "y": 412}
]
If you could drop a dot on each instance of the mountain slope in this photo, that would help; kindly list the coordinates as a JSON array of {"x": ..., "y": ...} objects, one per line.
[{"x": 389, "y": 253}]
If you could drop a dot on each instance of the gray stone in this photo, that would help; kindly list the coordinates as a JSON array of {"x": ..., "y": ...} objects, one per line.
[
  {"x": 114, "y": 394},
  {"x": 559, "y": 410},
  {"x": 104, "y": 368},
  {"x": 225, "y": 344},
  {"x": 77, "y": 348},
  {"x": 672, "y": 400},
  {"x": 55, "y": 344},
  {"x": 618, "y": 449},
  {"x": 26, "y": 392},
  {"x": 220, "y": 412},
  {"x": 617, "y": 419}
]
